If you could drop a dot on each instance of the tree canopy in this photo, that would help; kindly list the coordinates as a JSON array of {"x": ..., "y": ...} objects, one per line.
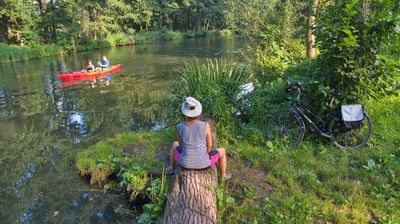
[{"x": 55, "y": 21}]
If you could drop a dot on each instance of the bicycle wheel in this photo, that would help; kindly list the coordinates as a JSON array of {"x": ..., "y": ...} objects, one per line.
[
  {"x": 345, "y": 138},
  {"x": 285, "y": 125}
]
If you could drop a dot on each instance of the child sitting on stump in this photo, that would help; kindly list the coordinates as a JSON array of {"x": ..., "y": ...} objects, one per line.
[{"x": 193, "y": 146}]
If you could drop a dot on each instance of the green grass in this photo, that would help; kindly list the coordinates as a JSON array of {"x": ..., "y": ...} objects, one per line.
[
  {"x": 158, "y": 36},
  {"x": 274, "y": 183},
  {"x": 103, "y": 159},
  {"x": 318, "y": 183},
  {"x": 12, "y": 53},
  {"x": 134, "y": 172}
]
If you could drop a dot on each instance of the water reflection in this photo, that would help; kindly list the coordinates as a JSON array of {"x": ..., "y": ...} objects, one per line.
[
  {"x": 44, "y": 124},
  {"x": 76, "y": 124},
  {"x": 101, "y": 81},
  {"x": 31, "y": 211},
  {"x": 24, "y": 178}
]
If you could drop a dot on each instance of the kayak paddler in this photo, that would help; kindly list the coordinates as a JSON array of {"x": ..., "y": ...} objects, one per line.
[
  {"x": 90, "y": 66},
  {"x": 104, "y": 63}
]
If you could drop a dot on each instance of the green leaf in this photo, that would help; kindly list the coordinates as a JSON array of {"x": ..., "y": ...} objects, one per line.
[
  {"x": 230, "y": 200},
  {"x": 144, "y": 217},
  {"x": 348, "y": 32},
  {"x": 220, "y": 196},
  {"x": 371, "y": 163}
]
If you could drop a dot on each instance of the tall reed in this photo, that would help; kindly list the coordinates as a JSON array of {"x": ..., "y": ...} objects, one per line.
[
  {"x": 12, "y": 53},
  {"x": 217, "y": 85}
]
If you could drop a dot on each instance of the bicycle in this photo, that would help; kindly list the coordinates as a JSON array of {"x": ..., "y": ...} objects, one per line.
[{"x": 290, "y": 124}]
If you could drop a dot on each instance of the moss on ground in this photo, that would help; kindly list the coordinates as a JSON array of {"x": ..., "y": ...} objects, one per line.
[{"x": 104, "y": 159}]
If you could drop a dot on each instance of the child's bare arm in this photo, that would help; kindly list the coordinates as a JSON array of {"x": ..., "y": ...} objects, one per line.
[
  {"x": 208, "y": 137},
  {"x": 178, "y": 139}
]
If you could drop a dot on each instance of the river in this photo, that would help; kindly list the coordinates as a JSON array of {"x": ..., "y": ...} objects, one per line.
[{"x": 43, "y": 126}]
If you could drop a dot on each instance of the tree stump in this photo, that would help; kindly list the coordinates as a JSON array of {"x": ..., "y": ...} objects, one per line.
[{"x": 192, "y": 198}]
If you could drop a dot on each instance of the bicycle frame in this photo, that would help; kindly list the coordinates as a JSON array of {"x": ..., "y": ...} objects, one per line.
[
  {"x": 330, "y": 127},
  {"x": 302, "y": 113}
]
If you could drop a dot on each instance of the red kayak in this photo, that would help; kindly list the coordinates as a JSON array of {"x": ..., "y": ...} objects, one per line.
[
  {"x": 71, "y": 82},
  {"x": 85, "y": 75}
]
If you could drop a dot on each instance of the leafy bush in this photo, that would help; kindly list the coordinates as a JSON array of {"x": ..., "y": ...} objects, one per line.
[
  {"x": 272, "y": 33},
  {"x": 157, "y": 192},
  {"x": 356, "y": 49},
  {"x": 216, "y": 84},
  {"x": 118, "y": 39},
  {"x": 225, "y": 33},
  {"x": 134, "y": 181},
  {"x": 88, "y": 45},
  {"x": 190, "y": 34},
  {"x": 175, "y": 35},
  {"x": 266, "y": 99},
  {"x": 158, "y": 36},
  {"x": 272, "y": 52}
]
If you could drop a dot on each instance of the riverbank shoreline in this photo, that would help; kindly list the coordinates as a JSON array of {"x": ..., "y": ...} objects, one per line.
[
  {"x": 46, "y": 125},
  {"x": 17, "y": 53},
  {"x": 271, "y": 179}
]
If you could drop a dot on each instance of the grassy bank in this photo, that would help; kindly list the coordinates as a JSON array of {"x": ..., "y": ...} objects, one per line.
[
  {"x": 274, "y": 183},
  {"x": 318, "y": 183},
  {"x": 13, "y": 53},
  {"x": 134, "y": 162},
  {"x": 158, "y": 36}
]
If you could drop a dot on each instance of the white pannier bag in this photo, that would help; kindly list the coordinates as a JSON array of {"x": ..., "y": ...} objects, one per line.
[{"x": 353, "y": 115}]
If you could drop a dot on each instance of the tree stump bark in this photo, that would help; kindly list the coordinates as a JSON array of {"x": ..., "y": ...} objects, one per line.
[{"x": 192, "y": 198}]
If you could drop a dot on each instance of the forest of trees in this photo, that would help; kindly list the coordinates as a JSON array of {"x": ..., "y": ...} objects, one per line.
[
  {"x": 349, "y": 47},
  {"x": 55, "y": 21}
]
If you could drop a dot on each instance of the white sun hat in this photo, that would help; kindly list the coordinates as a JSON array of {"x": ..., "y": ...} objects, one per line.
[{"x": 191, "y": 107}]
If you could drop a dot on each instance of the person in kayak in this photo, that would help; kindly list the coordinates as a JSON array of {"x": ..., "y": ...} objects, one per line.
[
  {"x": 104, "y": 63},
  {"x": 90, "y": 66},
  {"x": 193, "y": 146}
]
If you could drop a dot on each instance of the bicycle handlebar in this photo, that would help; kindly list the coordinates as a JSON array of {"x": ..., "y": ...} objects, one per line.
[
  {"x": 291, "y": 88},
  {"x": 294, "y": 87}
]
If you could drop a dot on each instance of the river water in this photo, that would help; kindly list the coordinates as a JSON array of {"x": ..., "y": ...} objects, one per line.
[{"x": 43, "y": 126}]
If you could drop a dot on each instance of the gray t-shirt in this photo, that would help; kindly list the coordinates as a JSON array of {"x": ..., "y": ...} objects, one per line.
[{"x": 194, "y": 149}]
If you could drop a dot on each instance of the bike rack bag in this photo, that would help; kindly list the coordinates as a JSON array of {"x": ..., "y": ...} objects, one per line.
[{"x": 353, "y": 116}]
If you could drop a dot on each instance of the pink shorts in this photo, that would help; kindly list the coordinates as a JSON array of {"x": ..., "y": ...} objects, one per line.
[{"x": 214, "y": 155}]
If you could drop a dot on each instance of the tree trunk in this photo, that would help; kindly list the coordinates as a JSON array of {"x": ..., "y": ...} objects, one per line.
[
  {"x": 53, "y": 23},
  {"x": 85, "y": 25},
  {"x": 94, "y": 24},
  {"x": 42, "y": 4},
  {"x": 192, "y": 199},
  {"x": 8, "y": 32},
  {"x": 54, "y": 29},
  {"x": 206, "y": 24},
  {"x": 42, "y": 9},
  {"x": 18, "y": 39},
  {"x": 310, "y": 37},
  {"x": 187, "y": 20},
  {"x": 366, "y": 8}
]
